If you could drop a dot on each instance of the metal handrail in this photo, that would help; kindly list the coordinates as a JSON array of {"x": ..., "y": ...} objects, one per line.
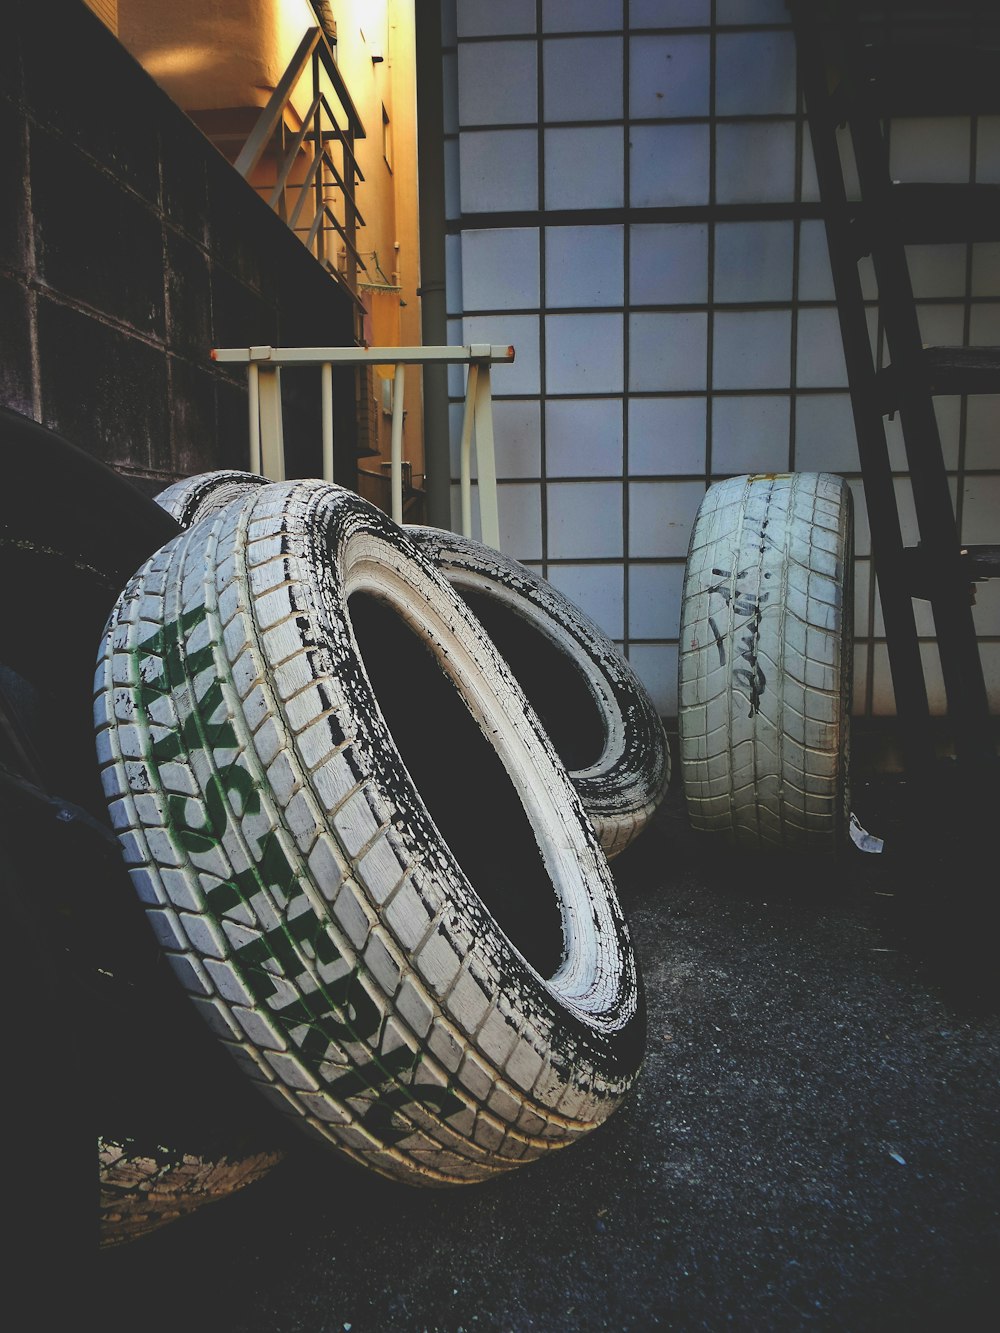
[
  {"x": 315, "y": 136},
  {"x": 267, "y": 454}
]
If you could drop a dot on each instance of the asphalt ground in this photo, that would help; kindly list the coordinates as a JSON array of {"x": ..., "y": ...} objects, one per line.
[{"x": 813, "y": 1142}]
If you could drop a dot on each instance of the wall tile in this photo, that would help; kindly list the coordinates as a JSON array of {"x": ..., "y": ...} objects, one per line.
[
  {"x": 667, "y": 351},
  {"x": 750, "y": 434},
  {"x": 581, "y": 15},
  {"x": 981, "y": 511},
  {"x": 986, "y": 269},
  {"x": 583, "y": 437},
  {"x": 584, "y": 519},
  {"x": 585, "y": 167},
  {"x": 517, "y": 437},
  {"x": 930, "y": 150},
  {"x": 655, "y": 601},
  {"x": 820, "y": 350},
  {"x": 937, "y": 270},
  {"x": 669, "y": 13},
  {"x": 584, "y": 266},
  {"x": 668, "y": 263},
  {"x": 499, "y": 170},
  {"x": 752, "y": 349},
  {"x": 668, "y": 76},
  {"x": 598, "y": 590},
  {"x": 500, "y": 268},
  {"x": 755, "y": 74},
  {"x": 755, "y": 163},
  {"x": 661, "y": 514},
  {"x": 583, "y": 353},
  {"x": 728, "y": 12},
  {"x": 825, "y": 439},
  {"x": 668, "y": 165},
  {"x": 582, "y": 78},
  {"x": 988, "y": 150},
  {"x": 656, "y": 667},
  {"x": 484, "y": 18},
  {"x": 666, "y": 435},
  {"x": 484, "y": 99},
  {"x": 753, "y": 261}
]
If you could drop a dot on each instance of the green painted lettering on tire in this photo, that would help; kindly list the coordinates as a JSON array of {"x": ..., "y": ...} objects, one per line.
[{"x": 299, "y": 885}]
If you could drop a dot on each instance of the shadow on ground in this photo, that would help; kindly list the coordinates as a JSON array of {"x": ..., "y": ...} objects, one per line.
[{"x": 814, "y": 1141}]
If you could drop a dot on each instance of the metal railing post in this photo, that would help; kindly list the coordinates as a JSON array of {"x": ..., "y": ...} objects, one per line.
[
  {"x": 326, "y": 389},
  {"x": 465, "y": 448},
  {"x": 272, "y": 441},
  {"x": 266, "y": 433},
  {"x": 486, "y": 468},
  {"x": 396, "y": 453},
  {"x": 253, "y": 403}
]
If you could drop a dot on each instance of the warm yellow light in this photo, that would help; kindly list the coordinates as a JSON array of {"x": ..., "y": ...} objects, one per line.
[{"x": 172, "y": 60}]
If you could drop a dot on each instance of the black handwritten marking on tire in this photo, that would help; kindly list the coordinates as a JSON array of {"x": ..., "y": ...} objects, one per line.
[
  {"x": 408, "y": 937},
  {"x": 597, "y": 712},
  {"x": 765, "y": 667},
  {"x": 143, "y": 1186}
]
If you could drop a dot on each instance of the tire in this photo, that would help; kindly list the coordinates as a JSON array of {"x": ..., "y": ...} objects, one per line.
[
  {"x": 598, "y": 715},
  {"x": 595, "y": 709},
  {"x": 144, "y": 1185},
  {"x": 194, "y": 498},
  {"x": 390, "y": 907},
  {"x": 765, "y": 665}
]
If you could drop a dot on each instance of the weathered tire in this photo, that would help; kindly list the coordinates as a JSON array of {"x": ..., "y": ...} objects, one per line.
[
  {"x": 595, "y": 709},
  {"x": 409, "y": 939},
  {"x": 144, "y": 1185},
  {"x": 194, "y": 498},
  {"x": 765, "y": 666},
  {"x": 597, "y": 712}
]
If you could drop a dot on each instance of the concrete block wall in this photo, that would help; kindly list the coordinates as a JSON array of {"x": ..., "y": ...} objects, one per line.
[{"x": 128, "y": 250}]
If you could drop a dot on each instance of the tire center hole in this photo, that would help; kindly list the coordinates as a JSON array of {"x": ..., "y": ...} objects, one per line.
[
  {"x": 461, "y": 781},
  {"x": 555, "y": 685}
]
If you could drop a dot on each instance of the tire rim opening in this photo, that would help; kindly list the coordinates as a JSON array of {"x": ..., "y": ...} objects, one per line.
[
  {"x": 461, "y": 781},
  {"x": 555, "y": 686}
]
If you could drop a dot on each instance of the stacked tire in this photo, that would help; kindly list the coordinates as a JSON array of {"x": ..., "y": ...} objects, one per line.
[{"x": 356, "y": 844}]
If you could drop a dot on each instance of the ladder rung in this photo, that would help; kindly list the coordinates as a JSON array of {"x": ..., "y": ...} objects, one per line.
[{"x": 944, "y": 370}]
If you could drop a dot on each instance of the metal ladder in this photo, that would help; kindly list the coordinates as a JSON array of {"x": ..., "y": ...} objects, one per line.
[{"x": 860, "y": 65}]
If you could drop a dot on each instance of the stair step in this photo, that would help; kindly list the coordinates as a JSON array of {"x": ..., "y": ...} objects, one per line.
[
  {"x": 922, "y": 214},
  {"x": 946, "y": 370},
  {"x": 934, "y": 79}
]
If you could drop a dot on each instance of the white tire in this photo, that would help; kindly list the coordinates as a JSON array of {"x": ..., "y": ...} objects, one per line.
[
  {"x": 194, "y": 498},
  {"x": 765, "y": 666},
  {"x": 598, "y": 714},
  {"x": 390, "y": 906}
]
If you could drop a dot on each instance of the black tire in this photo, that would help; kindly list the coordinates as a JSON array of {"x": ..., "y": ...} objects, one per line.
[
  {"x": 408, "y": 938},
  {"x": 597, "y": 712},
  {"x": 765, "y": 667}
]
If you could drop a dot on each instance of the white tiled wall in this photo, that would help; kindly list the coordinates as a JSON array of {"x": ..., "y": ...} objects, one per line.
[{"x": 632, "y": 203}]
